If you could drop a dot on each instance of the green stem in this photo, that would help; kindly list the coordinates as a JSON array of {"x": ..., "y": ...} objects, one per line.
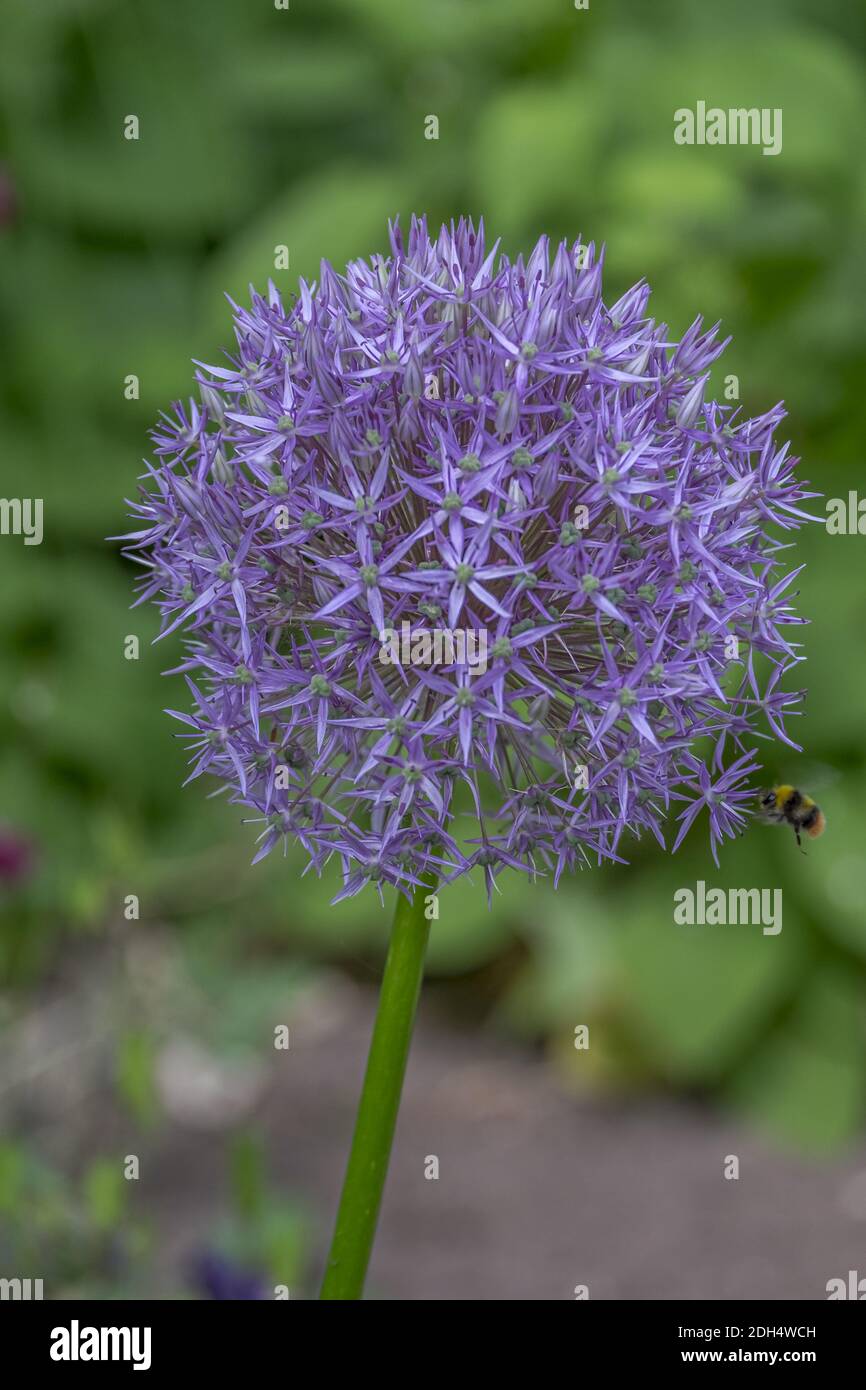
[{"x": 380, "y": 1099}]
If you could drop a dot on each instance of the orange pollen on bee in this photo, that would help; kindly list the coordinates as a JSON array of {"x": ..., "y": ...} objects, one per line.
[{"x": 819, "y": 826}]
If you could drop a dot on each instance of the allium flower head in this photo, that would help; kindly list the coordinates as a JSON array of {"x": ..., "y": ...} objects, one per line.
[{"x": 442, "y": 440}]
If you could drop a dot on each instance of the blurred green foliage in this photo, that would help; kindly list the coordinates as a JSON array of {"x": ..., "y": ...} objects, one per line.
[
  {"x": 83, "y": 1240},
  {"x": 77, "y": 1235},
  {"x": 261, "y": 127}
]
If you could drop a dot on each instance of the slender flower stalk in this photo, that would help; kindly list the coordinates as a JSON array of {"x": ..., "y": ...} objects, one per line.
[{"x": 380, "y": 1100}]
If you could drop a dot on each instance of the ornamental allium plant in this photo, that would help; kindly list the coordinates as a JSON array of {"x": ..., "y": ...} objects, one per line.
[{"x": 446, "y": 439}]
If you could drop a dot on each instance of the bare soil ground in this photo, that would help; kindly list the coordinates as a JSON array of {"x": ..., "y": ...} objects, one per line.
[{"x": 538, "y": 1191}]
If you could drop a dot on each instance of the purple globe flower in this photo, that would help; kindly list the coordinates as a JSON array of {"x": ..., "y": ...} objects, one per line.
[{"x": 471, "y": 571}]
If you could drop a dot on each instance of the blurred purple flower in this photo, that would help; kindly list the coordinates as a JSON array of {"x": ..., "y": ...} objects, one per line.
[
  {"x": 16, "y": 856},
  {"x": 447, "y": 439},
  {"x": 8, "y": 198},
  {"x": 217, "y": 1277}
]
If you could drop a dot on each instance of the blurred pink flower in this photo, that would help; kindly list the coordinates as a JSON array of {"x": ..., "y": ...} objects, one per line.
[
  {"x": 8, "y": 198},
  {"x": 16, "y": 856}
]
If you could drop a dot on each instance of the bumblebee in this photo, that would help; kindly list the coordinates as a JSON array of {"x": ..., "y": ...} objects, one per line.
[{"x": 789, "y": 806}]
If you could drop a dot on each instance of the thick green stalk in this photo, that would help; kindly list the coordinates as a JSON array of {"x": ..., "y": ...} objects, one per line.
[{"x": 380, "y": 1099}]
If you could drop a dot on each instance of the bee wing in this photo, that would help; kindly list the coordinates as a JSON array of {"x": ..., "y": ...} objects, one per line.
[{"x": 813, "y": 778}]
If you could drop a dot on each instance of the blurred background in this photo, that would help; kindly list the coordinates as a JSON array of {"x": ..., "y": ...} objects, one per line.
[{"x": 156, "y": 1143}]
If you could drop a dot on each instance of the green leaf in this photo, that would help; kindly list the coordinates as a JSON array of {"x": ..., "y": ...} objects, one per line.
[
  {"x": 104, "y": 1192},
  {"x": 337, "y": 215},
  {"x": 136, "y": 1075},
  {"x": 529, "y": 143},
  {"x": 468, "y": 933},
  {"x": 570, "y": 936},
  {"x": 806, "y": 1083},
  {"x": 701, "y": 994}
]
